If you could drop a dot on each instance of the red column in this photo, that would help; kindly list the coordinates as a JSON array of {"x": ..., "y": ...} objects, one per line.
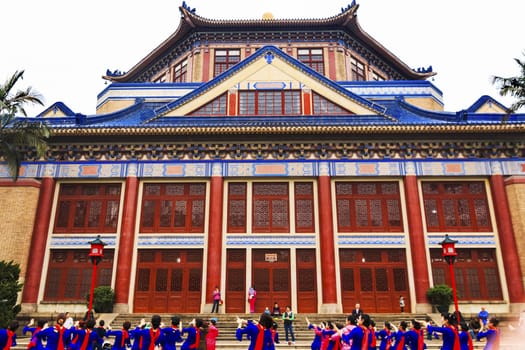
[
  {"x": 331, "y": 63},
  {"x": 126, "y": 242},
  {"x": 507, "y": 241},
  {"x": 38, "y": 242},
  {"x": 213, "y": 268},
  {"x": 205, "y": 64},
  {"x": 417, "y": 239},
  {"x": 327, "y": 239},
  {"x": 307, "y": 105},
  {"x": 232, "y": 102}
]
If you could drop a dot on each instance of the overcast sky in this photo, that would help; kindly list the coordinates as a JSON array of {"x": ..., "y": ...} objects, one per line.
[{"x": 65, "y": 46}]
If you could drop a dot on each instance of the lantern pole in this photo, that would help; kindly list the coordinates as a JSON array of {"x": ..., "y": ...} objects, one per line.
[
  {"x": 96, "y": 253},
  {"x": 449, "y": 254}
]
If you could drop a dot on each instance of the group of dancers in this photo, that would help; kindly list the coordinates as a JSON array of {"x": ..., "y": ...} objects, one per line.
[
  {"x": 84, "y": 335},
  {"x": 360, "y": 333}
]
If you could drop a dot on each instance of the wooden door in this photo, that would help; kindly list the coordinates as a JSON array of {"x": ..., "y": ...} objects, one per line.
[
  {"x": 373, "y": 278},
  {"x": 235, "y": 301},
  {"x": 168, "y": 281},
  {"x": 306, "y": 281},
  {"x": 271, "y": 277}
]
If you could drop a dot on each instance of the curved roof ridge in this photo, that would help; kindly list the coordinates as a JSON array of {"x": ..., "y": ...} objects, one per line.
[{"x": 339, "y": 18}]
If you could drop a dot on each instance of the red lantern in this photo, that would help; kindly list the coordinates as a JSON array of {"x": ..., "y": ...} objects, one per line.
[
  {"x": 96, "y": 252},
  {"x": 449, "y": 249}
]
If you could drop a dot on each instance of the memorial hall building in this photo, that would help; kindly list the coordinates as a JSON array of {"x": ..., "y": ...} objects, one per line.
[{"x": 298, "y": 156}]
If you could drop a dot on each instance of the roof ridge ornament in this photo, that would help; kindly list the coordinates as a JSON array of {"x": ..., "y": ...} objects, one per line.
[
  {"x": 344, "y": 9},
  {"x": 269, "y": 57},
  {"x": 187, "y": 7}
]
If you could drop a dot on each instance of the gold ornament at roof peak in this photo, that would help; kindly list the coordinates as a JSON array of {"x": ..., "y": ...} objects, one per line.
[{"x": 267, "y": 16}]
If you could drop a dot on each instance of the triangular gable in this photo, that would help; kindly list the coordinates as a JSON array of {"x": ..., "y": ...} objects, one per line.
[
  {"x": 270, "y": 68},
  {"x": 488, "y": 105},
  {"x": 56, "y": 110}
]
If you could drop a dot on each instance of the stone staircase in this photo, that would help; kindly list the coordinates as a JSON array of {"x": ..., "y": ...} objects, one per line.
[{"x": 227, "y": 325}]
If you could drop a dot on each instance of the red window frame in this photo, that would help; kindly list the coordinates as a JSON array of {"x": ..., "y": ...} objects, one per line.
[
  {"x": 88, "y": 208},
  {"x": 273, "y": 209},
  {"x": 270, "y": 102},
  {"x": 358, "y": 69},
  {"x": 354, "y": 207},
  {"x": 312, "y": 57},
  {"x": 237, "y": 206},
  {"x": 304, "y": 207},
  {"x": 159, "y": 207},
  {"x": 323, "y": 106},
  {"x": 70, "y": 271},
  {"x": 216, "y": 107},
  {"x": 225, "y": 59},
  {"x": 475, "y": 271},
  {"x": 453, "y": 206},
  {"x": 180, "y": 72}
]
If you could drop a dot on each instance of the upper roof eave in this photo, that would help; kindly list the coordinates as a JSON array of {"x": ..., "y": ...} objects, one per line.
[{"x": 191, "y": 21}]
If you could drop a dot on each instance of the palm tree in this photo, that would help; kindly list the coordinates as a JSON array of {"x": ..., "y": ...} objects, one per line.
[
  {"x": 514, "y": 86},
  {"x": 16, "y": 133}
]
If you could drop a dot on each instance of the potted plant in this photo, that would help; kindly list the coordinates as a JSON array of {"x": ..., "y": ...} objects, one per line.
[{"x": 440, "y": 296}]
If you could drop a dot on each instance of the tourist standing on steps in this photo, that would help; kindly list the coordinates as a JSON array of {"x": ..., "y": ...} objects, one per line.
[
  {"x": 289, "y": 318},
  {"x": 402, "y": 303},
  {"x": 216, "y": 300},
  {"x": 252, "y": 296}
]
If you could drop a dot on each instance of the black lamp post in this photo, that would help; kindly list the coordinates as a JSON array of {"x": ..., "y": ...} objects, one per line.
[
  {"x": 96, "y": 252},
  {"x": 449, "y": 254}
]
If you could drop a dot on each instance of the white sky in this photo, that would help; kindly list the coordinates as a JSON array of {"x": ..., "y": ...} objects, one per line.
[{"x": 65, "y": 46}]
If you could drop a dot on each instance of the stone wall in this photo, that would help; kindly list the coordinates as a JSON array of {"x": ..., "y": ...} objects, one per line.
[
  {"x": 515, "y": 187},
  {"x": 18, "y": 206}
]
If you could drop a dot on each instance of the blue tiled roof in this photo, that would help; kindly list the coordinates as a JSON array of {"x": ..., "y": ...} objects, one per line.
[{"x": 405, "y": 114}]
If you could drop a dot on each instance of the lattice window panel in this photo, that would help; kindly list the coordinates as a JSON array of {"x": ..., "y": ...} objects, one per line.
[
  {"x": 143, "y": 276},
  {"x": 306, "y": 280},
  {"x": 456, "y": 206}
]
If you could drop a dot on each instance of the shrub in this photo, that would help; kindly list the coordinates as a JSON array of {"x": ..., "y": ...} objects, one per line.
[
  {"x": 103, "y": 299},
  {"x": 9, "y": 288},
  {"x": 440, "y": 296}
]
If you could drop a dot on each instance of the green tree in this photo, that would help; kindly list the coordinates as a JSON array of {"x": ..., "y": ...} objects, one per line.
[
  {"x": 17, "y": 134},
  {"x": 9, "y": 288},
  {"x": 513, "y": 86}
]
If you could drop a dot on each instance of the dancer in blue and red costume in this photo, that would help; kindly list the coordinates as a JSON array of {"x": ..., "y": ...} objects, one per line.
[
  {"x": 150, "y": 337},
  {"x": 258, "y": 332},
  {"x": 465, "y": 340},
  {"x": 492, "y": 333},
  {"x": 385, "y": 335},
  {"x": 318, "y": 330},
  {"x": 57, "y": 336},
  {"x": 34, "y": 343},
  {"x": 359, "y": 335},
  {"x": 415, "y": 337},
  {"x": 399, "y": 337},
  {"x": 326, "y": 334},
  {"x": 171, "y": 335},
  {"x": 448, "y": 330},
  {"x": 193, "y": 332},
  {"x": 87, "y": 338},
  {"x": 122, "y": 339},
  {"x": 8, "y": 336}
]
